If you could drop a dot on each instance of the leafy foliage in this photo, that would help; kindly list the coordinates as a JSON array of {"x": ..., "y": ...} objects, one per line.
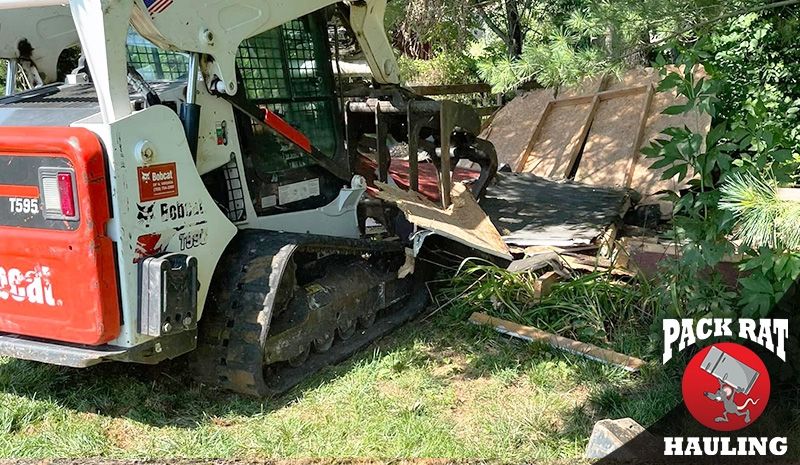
[
  {"x": 445, "y": 68},
  {"x": 734, "y": 173},
  {"x": 594, "y": 307}
]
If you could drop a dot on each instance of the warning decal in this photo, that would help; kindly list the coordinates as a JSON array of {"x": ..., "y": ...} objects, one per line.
[{"x": 158, "y": 182}]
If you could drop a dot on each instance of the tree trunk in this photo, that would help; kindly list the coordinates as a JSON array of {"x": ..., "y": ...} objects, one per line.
[{"x": 514, "y": 28}]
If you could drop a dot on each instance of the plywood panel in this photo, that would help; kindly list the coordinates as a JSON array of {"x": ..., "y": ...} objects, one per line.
[
  {"x": 610, "y": 144},
  {"x": 647, "y": 181},
  {"x": 560, "y": 134},
  {"x": 513, "y": 126},
  {"x": 633, "y": 78}
]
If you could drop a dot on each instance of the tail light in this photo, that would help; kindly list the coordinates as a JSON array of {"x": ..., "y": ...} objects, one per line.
[{"x": 59, "y": 194}]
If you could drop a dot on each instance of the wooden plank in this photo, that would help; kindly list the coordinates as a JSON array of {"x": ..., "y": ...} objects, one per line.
[
  {"x": 529, "y": 333},
  {"x": 544, "y": 284},
  {"x": 534, "y": 135},
  {"x": 608, "y": 241},
  {"x": 576, "y": 148},
  {"x": 605, "y": 95},
  {"x": 635, "y": 148},
  {"x": 598, "y": 265}
]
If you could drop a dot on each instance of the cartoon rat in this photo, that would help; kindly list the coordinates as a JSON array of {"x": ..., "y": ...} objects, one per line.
[{"x": 725, "y": 395}]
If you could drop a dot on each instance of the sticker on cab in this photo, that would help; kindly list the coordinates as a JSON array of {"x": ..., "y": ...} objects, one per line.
[{"x": 157, "y": 182}]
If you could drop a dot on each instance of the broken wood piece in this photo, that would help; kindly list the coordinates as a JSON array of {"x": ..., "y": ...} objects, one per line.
[
  {"x": 608, "y": 240},
  {"x": 544, "y": 284},
  {"x": 596, "y": 264},
  {"x": 529, "y": 333},
  {"x": 463, "y": 221},
  {"x": 535, "y": 263}
]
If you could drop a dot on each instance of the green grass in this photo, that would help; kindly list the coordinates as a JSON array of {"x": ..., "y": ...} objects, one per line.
[{"x": 441, "y": 388}]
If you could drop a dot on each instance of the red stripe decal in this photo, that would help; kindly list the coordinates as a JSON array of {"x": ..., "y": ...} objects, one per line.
[
  {"x": 288, "y": 131},
  {"x": 28, "y": 192}
]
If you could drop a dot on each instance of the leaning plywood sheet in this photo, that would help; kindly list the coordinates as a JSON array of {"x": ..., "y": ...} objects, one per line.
[
  {"x": 609, "y": 148},
  {"x": 647, "y": 181},
  {"x": 533, "y": 211},
  {"x": 512, "y": 127},
  {"x": 551, "y": 153},
  {"x": 463, "y": 221}
]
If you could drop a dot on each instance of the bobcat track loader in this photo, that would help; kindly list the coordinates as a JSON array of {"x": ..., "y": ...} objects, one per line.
[{"x": 197, "y": 185}]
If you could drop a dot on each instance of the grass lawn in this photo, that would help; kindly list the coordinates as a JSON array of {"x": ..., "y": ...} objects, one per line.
[{"x": 433, "y": 389}]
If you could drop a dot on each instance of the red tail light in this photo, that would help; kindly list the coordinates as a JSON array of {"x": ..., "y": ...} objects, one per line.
[
  {"x": 59, "y": 198},
  {"x": 67, "y": 194}
]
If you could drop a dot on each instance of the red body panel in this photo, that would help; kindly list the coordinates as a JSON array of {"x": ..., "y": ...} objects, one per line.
[{"x": 60, "y": 284}]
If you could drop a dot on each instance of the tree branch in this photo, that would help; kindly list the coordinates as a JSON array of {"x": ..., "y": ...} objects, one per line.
[
  {"x": 492, "y": 25},
  {"x": 702, "y": 24}
]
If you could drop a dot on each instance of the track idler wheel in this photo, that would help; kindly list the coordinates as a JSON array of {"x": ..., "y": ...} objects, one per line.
[
  {"x": 301, "y": 358},
  {"x": 367, "y": 320},
  {"x": 323, "y": 343},
  {"x": 346, "y": 328}
]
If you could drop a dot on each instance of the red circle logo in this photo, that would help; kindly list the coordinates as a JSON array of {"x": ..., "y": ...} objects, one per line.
[{"x": 726, "y": 387}]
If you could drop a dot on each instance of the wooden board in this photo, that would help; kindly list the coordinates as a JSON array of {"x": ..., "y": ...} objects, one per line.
[
  {"x": 561, "y": 132},
  {"x": 463, "y": 221},
  {"x": 633, "y": 78},
  {"x": 512, "y": 127},
  {"x": 610, "y": 144},
  {"x": 789, "y": 194},
  {"x": 529, "y": 333}
]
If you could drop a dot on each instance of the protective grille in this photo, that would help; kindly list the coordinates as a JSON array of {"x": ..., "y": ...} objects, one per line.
[
  {"x": 153, "y": 63},
  {"x": 287, "y": 70},
  {"x": 236, "y": 210}
]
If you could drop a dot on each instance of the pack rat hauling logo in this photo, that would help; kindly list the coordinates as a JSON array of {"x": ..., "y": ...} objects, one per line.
[{"x": 726, "y": 386}]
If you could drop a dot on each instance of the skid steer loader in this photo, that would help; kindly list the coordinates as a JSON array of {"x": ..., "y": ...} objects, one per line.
[{"x": 197, "y": 185}]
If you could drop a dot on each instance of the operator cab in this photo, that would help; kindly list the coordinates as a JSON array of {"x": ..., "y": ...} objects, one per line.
[{"x": 286, "y": 70}]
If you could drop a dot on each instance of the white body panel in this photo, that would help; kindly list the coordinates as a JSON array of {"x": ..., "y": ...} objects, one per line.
[{"x": 162, "y": 128}]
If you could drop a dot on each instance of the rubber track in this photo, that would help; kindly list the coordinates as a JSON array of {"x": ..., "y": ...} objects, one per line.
[{"x": 240, "y": 304}]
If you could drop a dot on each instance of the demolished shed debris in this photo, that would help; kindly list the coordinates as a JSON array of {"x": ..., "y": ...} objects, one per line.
[
  {"x": 594, "y": 133},
  {"x": 531, "y": 334},
  {"x": 532, "y": 211}
]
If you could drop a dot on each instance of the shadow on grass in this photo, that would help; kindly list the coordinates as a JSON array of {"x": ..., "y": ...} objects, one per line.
[{"x": 166, "y": 395}]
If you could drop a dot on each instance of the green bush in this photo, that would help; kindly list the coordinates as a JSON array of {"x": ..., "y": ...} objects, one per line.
[
  {"x": 446, "y": 68},
  {"x": 733, "y": 173}
]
